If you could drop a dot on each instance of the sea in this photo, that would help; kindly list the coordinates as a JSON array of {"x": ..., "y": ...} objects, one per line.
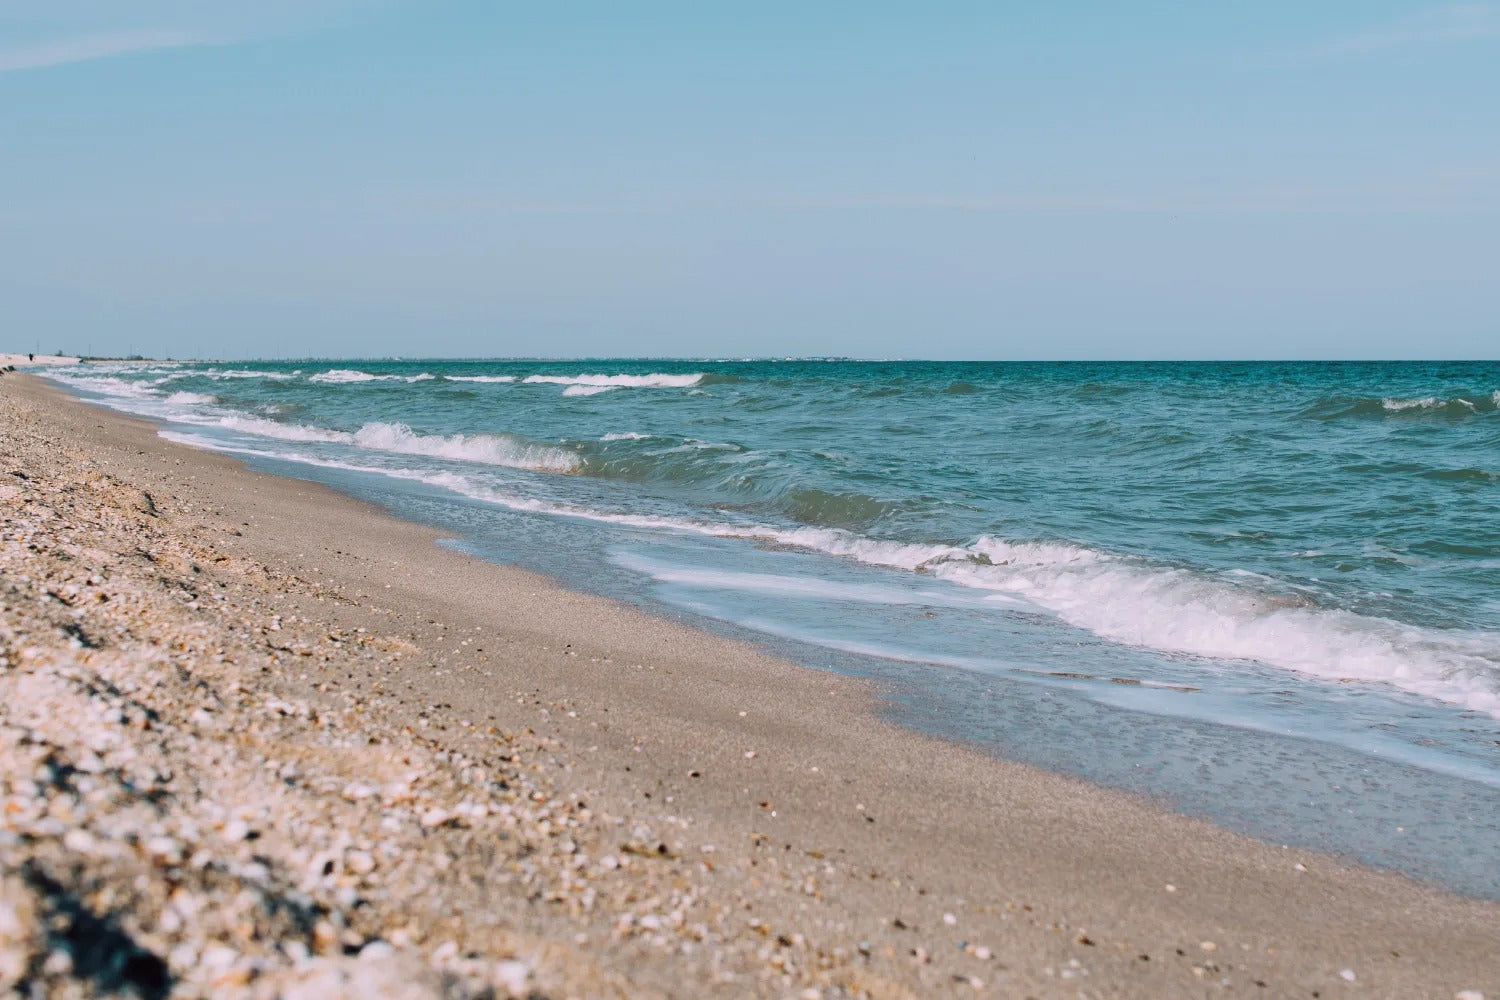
[{"x": 1263, "y": 593}]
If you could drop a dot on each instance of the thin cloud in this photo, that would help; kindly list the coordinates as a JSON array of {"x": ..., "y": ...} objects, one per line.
[
  {"x": 1460, "y": 22},
  {"x": 1459, "y": 189},
  {"x": 87, "y": 48},
  {"x": 38, "y": 34}
]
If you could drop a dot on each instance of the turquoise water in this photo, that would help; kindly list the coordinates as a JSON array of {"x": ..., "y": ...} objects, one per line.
[{"x": 1306, "y": 554}]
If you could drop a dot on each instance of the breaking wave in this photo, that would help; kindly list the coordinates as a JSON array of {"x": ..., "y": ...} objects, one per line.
[
  {"x": 486, "y": 449},
  {"x": 340, "y": 376},
  {"x": 1462, "y": 405}
]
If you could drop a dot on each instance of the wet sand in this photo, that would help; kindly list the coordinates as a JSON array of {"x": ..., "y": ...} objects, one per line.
[{"x": 660, "y": 810}]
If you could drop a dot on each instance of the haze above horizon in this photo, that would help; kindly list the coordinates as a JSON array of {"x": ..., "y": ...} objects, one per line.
[{"x": 378, "y": 177}]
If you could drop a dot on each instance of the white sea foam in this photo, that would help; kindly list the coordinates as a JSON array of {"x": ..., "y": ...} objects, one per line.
[
  {"x": 1396, "y": 405},
  {"x": 488, "y": 449},
  {"x": 261, "y": 427},
  {"x": 811, "y": 587},
  {"x": 653, "y": 381},
  {"x": 1170, "y": 610},
  {"x": 107, "y": 385},
  {"x": 340, "y": 376},
  {"x": 625, "y": 436},
  {"x": 480, "y": 378},
  {"x": 244, "y": 373},
  {"x": 485, "y": 449},
  {"x": 587, "y": 390},
  {"x": 191, "y": 398},
  {"x": 1425, "y": 403}
]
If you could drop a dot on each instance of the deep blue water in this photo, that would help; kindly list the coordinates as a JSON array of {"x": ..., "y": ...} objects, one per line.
[{"x": 1268, "y": 592}]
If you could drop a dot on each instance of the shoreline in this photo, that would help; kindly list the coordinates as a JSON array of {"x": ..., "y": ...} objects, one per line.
[{"x": 710, "y": 743}]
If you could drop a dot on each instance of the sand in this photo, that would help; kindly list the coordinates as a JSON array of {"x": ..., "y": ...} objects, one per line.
[
  {"x": 35, "y": 360},
  {"x": 367, "y": 755}
]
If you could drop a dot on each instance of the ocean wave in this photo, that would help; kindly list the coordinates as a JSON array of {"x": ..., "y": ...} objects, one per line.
[
  {"x": 1181, "y": 611},
  {"x": 588, "y": 390},
  {"x": 341, "y": 376},
  {"x": 731, "y": 476},
  {"x": 108, "y": 385},
  {"x": 261, "y": 427},
  {"x": 235, "y": 373},
  {"x": 480, "y": 378},
  {"x": 485, "y": 449},
  {"x": 824, "y": 507},
  {"x": 191, "y": 398},
  {"x": 653, "y": 381},
  {"x": 1461, "y": 405}
]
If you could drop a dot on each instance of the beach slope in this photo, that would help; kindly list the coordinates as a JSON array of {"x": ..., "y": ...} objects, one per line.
[{"x": 260, "y": 739}]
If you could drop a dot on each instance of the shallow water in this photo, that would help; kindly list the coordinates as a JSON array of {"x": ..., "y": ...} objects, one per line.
[{"x": 1264, "y": 592}]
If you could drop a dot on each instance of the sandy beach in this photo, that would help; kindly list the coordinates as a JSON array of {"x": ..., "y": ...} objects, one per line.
[
  {"x": 260, "y": 739},
  {"x": 35, "y": 360}
]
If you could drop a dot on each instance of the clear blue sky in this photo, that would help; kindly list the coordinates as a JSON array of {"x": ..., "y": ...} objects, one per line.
[{"x": 984, "y": 180}]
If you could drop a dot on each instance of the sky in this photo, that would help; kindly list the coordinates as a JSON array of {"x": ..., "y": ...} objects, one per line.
[{"x": 989, "y": 180}]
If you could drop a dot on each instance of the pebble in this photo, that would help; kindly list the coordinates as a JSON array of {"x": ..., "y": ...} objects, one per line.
[
  {"x": 513, "y": 977},
  {"x": 434, "y": 818}
]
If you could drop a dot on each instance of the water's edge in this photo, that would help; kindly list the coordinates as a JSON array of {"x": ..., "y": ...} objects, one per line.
[{"x": 1299, "y": 793}]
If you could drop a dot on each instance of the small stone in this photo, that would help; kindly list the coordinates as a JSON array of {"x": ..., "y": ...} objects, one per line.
[
  {"x": 1468, "y": 995},
  {"x": 1208, "y": 946},
  {"x": 1347, "y": 975},
  {"x": 513, "y": 977},
  {"x": 165, "y": 848},
  {"x": 58, "y": 963},
  {"x": 325, "y": 937},
  {"x": 80, "y": 841},
  {"x": 950, "y": 919},
  {"x": 359, "y": 862},
  {"x": 218, "y": 957},
  {"x": 434, "y": 818}
]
